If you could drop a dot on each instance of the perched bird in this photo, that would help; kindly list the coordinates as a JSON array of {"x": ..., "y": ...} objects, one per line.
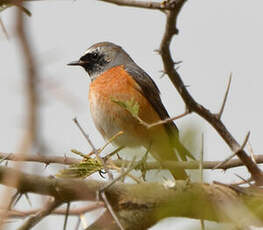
[{"x": 115, "y": 76}]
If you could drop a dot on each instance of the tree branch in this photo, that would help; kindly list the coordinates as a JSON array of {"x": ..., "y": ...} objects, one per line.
[
  {"x": 139, "y": 206},
  {"x": 35, "y": 219},
  {"x": 73, "y": 212},
  {"x": 165, "y": 5},
  {"x": 191, "y": 104},
  {"x": 125, "y": 163}
]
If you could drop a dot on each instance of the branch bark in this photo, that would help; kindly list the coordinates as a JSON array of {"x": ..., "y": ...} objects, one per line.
[
  {"x": 165, "y": 5},
  {"x": 124, "y": 163},
  {"x": 73, "y": 212},
  {"x": 36, "y": 218},
  {"x": 140, "y": 206}
]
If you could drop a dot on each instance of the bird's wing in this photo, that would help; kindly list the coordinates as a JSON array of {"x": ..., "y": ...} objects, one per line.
[{"x": 150, "y": 90}]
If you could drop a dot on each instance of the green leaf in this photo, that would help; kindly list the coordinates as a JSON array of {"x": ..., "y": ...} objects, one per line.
[
  {"x": 131, "y": 105},
  {"x": 84, "y": 169}
]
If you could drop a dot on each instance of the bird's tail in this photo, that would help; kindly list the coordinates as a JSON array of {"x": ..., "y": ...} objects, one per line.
[
  {"x": 166, "y": 153},
  {"x": 182, "y": 152}
]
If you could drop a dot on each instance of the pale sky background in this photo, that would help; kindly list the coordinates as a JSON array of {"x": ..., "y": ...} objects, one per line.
[{"x": 216, "y": 37}]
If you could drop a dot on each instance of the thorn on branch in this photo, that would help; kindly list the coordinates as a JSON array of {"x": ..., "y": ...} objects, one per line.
[
  {"x": 158, "y": 51},
  {"x": 219, "y": 115},
  {"x": 244, "y": 180},
  {"x": 35, "y": 219},
  {"x": 14, "y": 199},
  {"x": 178, "y": 63},
  {"x": 66, "y": 216},
  {"x": 163, "y": 73},
  {"x": 131, "y": 167},
  {"x": 234, "y": 154},
  {"x": 252, "y": 154},
  {"x": 4, "y": 29}
]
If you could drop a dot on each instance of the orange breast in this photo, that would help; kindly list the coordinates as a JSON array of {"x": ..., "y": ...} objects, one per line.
[{"x": 111, "y": 118}]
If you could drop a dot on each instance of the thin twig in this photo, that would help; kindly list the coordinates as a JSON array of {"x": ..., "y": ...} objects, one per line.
[
  {"x": 251, "y": 151},
  {"x": 66, "y": 216},
  {"x": 234, "y": 154},
  {"x": 85, "y": 135},
  {"x": 35, "y": 219},
  {"x": 108, "y": 205},
  {"x": 40, "y": 158},
  {"x": 202, "y": 160},
  {"x": 4, "y": 29},
  {"x": 62, "y": 211},
  {"x": 28, "y": 199},
  {"x": 130, "y": 168},
  {"x": 165, "y": 5},
  {"x": 167, "y": 120},
  {"x": 244, "y": 180},
  {"x": 12, "y": 201},
  {"x": 77, "y": 224},
  {"x": 111, "y": 140},
  {"x": 202, "y": 175},
  {"x": 219, "y": 115}
]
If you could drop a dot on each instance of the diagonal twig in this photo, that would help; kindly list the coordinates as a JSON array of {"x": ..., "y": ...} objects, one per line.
[
  {"x": 165, "y": 5},
  {"x": 66, "y": 216},
  {"x": 35, "y": 219},
  {"x": 109, "y": 207},
  {"x": 130, "y": 168},
  {"x": 85, "y": 135},
  {"x": 234, "y": 154},
  {"x": 219, "y": 115},
  {"x": 4, "y": 29}
]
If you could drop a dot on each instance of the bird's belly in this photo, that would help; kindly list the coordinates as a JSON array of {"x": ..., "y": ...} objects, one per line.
[{"x": 110, "y": 118}]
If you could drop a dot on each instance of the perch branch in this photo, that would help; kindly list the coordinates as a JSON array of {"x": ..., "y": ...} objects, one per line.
[
  {"x": 125, "y": 163},
  {"x": 137, "y": 204}
]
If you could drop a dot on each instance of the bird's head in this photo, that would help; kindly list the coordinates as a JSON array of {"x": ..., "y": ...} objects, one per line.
[{"x": 100, "y": 57}]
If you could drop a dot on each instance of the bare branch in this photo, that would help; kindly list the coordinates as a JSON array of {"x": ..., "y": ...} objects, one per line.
[
  {"x": 42, "y": 158},
  {"x": 35, "y": 219},
  {"x": 167, "y": 120},
  {"x": 110, "y": 209},
  {"x": 4, "y": 29},
  {"x": 235, "y": 153},
  {"x": 131, "y": 202},
  {"x": 165, "y": 5},
  {"x": 66, "y": 216},
  {"x": 191, "y": 104},
  {"x": 202, "y": 160},
  {"x": 85, "y": 135},
  {"x": 122, "y": 175},
  {"x": 124, "y": 163},
  {"x": 72, "y": 212},
  {"x": 31, "y": 136}
]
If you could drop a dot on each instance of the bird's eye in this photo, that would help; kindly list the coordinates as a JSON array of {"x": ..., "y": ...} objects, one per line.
[{"x": 95, "y": 56}]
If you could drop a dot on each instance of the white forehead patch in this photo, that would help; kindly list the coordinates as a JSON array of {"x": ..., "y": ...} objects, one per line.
[{"x": 90, "y": 50}]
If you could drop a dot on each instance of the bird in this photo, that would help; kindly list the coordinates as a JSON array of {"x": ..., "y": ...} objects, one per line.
[{"x": 116, "y": 77}]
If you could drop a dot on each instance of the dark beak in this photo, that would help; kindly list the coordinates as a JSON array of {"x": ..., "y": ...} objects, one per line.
[{"x": 79, "y": 62}]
